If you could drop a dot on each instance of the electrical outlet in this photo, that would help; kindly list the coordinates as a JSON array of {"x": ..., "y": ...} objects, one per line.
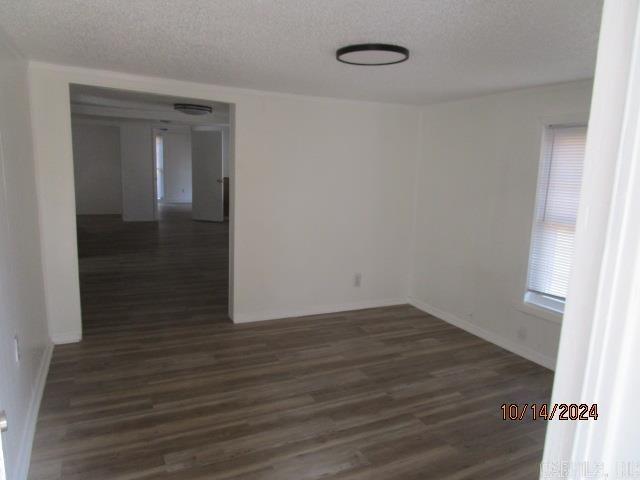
[
  {"x": 357, "y": 280},
  {"x": 16, "y": 348}
]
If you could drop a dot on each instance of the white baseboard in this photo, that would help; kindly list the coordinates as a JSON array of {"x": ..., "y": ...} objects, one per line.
[
  {"x": 26, "y": 443},
  {"x": 487, "y": 335},
  {"x": 66, "y": 337},
  {"x": 301, "y": 312}
]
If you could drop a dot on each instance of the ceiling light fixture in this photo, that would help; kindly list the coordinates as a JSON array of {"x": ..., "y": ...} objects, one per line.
[
  {"x": 192, "y": 108},
  {"x": 372, "y": 54}
]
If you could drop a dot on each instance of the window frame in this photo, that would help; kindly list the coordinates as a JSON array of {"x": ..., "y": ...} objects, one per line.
[{"x": 532, "y": 302}]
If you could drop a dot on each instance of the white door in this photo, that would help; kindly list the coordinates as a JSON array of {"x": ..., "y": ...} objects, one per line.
[
  {"x": 207, "y": 175},
  {"x": 177, "y": 167}
]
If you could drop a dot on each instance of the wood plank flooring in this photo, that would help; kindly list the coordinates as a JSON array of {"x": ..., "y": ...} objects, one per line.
[{"x": 164, "y": 387}]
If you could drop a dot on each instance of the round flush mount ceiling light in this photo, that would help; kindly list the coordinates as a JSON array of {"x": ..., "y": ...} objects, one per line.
[
  {"x": 372, "y": 54},
  {"x": 192, "y": 108}
]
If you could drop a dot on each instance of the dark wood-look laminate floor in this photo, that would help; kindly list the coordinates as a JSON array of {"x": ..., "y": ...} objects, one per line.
[{"x": 164, "y": 387}]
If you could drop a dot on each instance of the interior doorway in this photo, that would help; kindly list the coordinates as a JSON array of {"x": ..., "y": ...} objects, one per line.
[
  {"x": 159, "y": 161},
  {"x": 191, "y": 167},
  {"x": 153, "y": 237}
]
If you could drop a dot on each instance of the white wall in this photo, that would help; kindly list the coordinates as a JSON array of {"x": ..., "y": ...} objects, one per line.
[
  {"x": 323, "y": 196},
  {"x": 319, "y": 192},
  {"x": 475, "y": 192},
  {"x": 22, "y": 298},
  {"x": 226, "y": 140},
  {"x": 136, "y": 147},
  {"x": 323, "y": 189},
  {"x": 96, "y": 160},
  {"x": 177, "y": 167}
]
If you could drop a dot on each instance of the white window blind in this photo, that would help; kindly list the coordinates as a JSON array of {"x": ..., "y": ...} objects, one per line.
[{"x": 557, "y": 199}]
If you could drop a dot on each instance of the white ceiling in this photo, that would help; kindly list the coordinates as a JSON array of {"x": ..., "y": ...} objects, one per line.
[{"x": 459, "y": 48}]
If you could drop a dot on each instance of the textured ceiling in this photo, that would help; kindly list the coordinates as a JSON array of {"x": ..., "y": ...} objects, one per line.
[{"x": 458, "y": 48}]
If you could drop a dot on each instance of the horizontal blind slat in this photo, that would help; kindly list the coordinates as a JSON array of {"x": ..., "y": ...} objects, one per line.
[{"x": 557, "y": 199}]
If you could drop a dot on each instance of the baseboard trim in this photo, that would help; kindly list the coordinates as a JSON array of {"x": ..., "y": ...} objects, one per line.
[
  {"x": 26, "y": 443},
  {"x": 513, "y": 347},
  {"x": 66, "y": 337},
  {"x": 302, "y": 312}
]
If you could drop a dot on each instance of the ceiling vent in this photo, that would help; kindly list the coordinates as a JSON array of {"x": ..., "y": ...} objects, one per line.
[{"x": 193, "y": 109}]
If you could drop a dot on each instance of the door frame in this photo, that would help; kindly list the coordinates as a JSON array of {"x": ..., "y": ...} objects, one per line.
[
  {"x": 598, "y": 354},
  {"x": 73, "y": 337}
]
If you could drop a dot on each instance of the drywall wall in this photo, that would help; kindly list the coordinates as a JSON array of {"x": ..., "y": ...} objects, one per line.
[
  {"x": 177, "y": 167},
  {"x": 136, "y": 149},
  {"x": 22, "y": 298},
  {"x": 475, "y": 191},
  {"x": 326, "y": 197},
  {"x": 96, "y": 161},
  {"x": 323, "y": 189},
  {"x": 226, "y": 139},
  {"x": 318, "y": 193}
]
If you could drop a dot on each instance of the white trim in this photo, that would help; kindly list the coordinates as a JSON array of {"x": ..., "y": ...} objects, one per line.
[
  {"x": 26, "y": 443},
  {"x": 66, "y": 337},
  {"x": 545, "y": 303},
  {"x": 320, "y": 310},
  {"x": 474, "y": 329},
  {"x": 598, "y": 355},
  {"x": 538, "y": 311}
]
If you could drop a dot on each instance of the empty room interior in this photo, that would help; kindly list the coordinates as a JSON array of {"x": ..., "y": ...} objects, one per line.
[{"x": 297, "y": 240}]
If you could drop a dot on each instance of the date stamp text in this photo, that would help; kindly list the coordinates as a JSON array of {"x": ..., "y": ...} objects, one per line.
[{"x": 545, "y": 411}]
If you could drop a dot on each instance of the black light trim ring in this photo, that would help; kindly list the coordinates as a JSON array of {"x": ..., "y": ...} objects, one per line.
[
  {"x": 192, "y": 108},
  {"x": 363, "y": 47}
]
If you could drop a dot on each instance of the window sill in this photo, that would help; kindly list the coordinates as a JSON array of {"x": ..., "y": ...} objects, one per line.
[{"x": 538, "y": 306}]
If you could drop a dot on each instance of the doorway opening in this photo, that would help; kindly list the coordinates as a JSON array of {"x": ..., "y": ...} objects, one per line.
[
  {"x": 159, "y": 157},
  {"x": 152, "y": 219}
]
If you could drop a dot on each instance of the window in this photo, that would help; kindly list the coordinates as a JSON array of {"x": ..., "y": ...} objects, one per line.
[
  {"x": 159, "y": 167},
  {"x": 557, "y": 198}
]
